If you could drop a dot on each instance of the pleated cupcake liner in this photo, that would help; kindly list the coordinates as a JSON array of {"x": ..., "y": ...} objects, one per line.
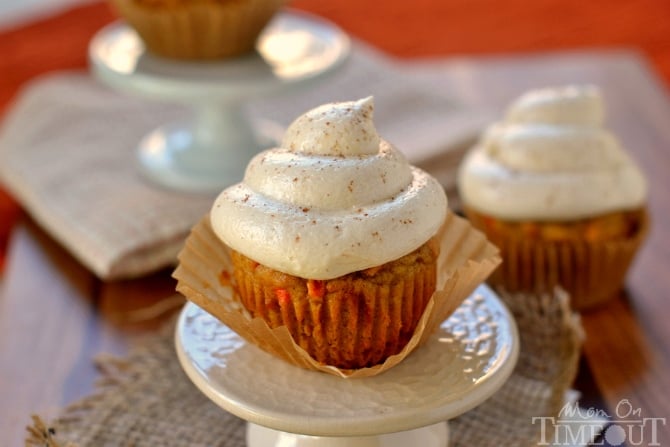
[
  {"x": 199, "y": 30},
  {"x": 356, "y": 322},
  {"x": 592, "y": 272},
  {"x": 204, "y": 276}
]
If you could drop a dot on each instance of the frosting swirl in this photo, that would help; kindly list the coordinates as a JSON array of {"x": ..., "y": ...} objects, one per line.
[
  {"x": 333, "y": 199},
  {"x": 551, "y": 159}
]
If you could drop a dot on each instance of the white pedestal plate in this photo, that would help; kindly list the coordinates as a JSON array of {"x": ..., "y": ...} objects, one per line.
[
  {"x": 462, "y": 365},
  {"x": 211, "y": 150}
]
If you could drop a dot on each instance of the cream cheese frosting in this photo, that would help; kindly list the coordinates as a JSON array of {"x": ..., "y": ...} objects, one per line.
[
  {"x": 551, "y": 159},
  {"x": 334, "y": 198}
]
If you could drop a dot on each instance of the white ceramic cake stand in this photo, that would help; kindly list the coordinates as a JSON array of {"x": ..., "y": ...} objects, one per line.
[
  {"x": 211, "y": 151},
  {"x": 462, "y": 365}
]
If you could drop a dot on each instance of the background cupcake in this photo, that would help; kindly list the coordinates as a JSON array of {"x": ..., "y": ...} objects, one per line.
[
  {"x": 558, "y": 195},
  {"x": 198, "y": 29}
]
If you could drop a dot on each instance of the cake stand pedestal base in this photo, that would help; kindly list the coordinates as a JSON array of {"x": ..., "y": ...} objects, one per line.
[
  {"x": 436, "y": 435},
  {"x": 203, "y": 155}
]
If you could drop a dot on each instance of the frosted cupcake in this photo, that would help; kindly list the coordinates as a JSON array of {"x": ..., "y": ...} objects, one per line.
[
  {"x": 556, "y": 192},
  {"x": 198, "y": 29},
  {"x": 334, "y": 254},
  {"x": 331, "y": 237}
]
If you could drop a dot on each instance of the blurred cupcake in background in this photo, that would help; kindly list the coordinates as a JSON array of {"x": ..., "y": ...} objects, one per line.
[
  {"x": 560, "y": 197},
  {"x": 198, "y": 29}
]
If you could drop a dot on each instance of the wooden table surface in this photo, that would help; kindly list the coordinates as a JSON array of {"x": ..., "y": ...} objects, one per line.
[{"x": 55, "y": 316}]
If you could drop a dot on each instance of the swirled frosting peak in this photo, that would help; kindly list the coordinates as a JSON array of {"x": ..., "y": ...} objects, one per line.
[
  {"x": 333, "y": 199},
  {"x": 335, "y": 129},
  {"x": 551, "y": 159}
]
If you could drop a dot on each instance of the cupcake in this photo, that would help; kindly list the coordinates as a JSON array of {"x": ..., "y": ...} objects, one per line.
[
  {"x": 331, "y": 237},
  {"x": 198, "y": 29},
  {"x": 560, "y": 197},
  {"x": 333, "y": 253}
]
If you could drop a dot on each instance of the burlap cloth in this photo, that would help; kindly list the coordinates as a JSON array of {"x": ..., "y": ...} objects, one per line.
[
  {"x": 146, "y": 399},
  {"x": 68, "y": 154}
]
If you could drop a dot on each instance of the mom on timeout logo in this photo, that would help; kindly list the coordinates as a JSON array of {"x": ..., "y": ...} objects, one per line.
[{"x": 578, "y": 426}]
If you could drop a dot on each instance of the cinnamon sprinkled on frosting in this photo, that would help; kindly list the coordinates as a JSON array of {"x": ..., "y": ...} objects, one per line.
[{"x": 345, "y": 199}]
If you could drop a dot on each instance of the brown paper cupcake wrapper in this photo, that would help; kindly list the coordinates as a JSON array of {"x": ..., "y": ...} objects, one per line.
[
  {"x": 199, "y": 29},
  {"x": 342, "y": 328},
  {"x": 591, "y": 272},
  {"x": 466, "y": 260}
]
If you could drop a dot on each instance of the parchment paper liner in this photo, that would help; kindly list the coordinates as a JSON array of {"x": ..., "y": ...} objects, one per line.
[
  {"x": 466, "y": 260},
  {"x": 591, "y": 272}
]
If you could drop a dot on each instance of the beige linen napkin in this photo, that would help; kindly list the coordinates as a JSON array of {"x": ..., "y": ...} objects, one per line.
[{"x": 67, "y": 153}]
